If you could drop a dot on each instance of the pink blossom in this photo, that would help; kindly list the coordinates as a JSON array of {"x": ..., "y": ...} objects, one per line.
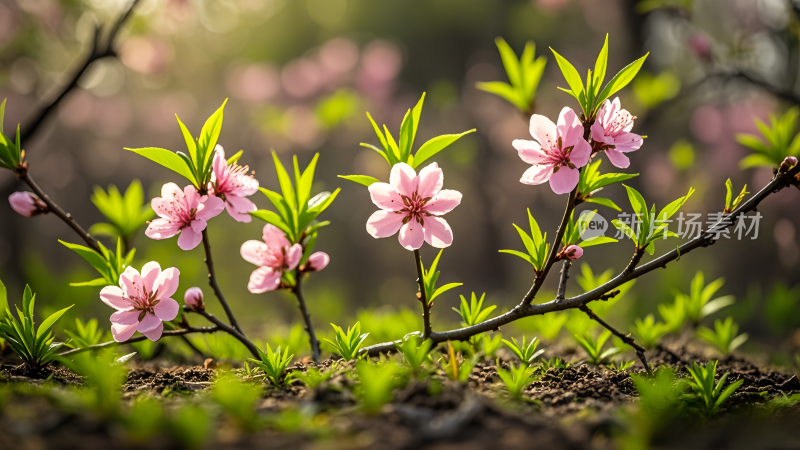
[
  {"x": 573, "y": 252},
  {"x": 701, "y": 46},
  {"x": 317, "y": 261},
  {"x": 273, "y": 256},
  {"x": 184, "y": 212},
  {"x": 193, "y": 297},
  {"x": 142, "y": 301},
  {"x": 612, "y": 131},
  {"x": 412, "y": 204},
  {"x": 557, "y": 152},
  {"x": 27, "y": 204},
  {"x": 232, "y": 184}
]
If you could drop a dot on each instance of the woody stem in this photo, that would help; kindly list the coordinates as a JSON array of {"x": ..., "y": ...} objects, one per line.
[
  {"x": 212, "y": 280},
  {"x": 423, "y": 298}
]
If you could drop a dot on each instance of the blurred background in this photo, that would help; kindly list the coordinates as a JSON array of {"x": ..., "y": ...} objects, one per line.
[{"x": 300, "y": 75}]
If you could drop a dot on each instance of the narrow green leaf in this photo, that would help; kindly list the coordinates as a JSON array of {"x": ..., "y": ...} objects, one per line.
[
  {"x": 435, "y": 145},
  {"x": 235, "y": 157},
  {"x": 167, "y": 159},
  {"x": 603, "y": 201},
  {"x": 285, "y": 182},
  {"x": 596, "y": 241},
  {"x": 273, "y": 218},
  {"x": 361, "y": 179},
  {"x": 444, "y": 289},
  {"x": 505, "y": 91},
  {"x": 510, "y": 62},
  {"x": 600, "y": 67},
  {"x": 519, "y": 254},
  {"x": 209, "y": 136},
  {"x": 621, "y": 79},
  {"x": 377, "y": 150},
  {"x": 93, "y": 283},
  {"x": 570, "y": 74},
  {"x": 50, "y": 321}
]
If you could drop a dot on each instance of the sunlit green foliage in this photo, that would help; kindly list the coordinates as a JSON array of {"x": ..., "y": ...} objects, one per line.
[
  {"x": 394, "y": 152},
  {"x": 535, "y": 244},
  {"x": 698, "y": 304},
  {"x": 34, "y": 346},
  {"x": 730, "y": 202},
  {"x": 274, "y": 365},
  {"x": 387, "y": 324},
  {"x": 415, "y": 353},
  {"x": 591, "y": 96},
  {"x": 708, "y": 397},
  {"x": 648, "y": 332},
  {"x": 377, "y": 384},
  {"x": 652, "y": 90},
  {"x": 313, "y": 377},
  {"x": 10, "y": 149},
  {"x": 347, "y": 344},
  {"x": 455, "y": 369},
  {"x": 652, "y": 227},
  {"x": 621, "y": 366},
  {"x": 523, "y": 74},
  {"x": 85, "y": 334},
  {"x": 526, "y": 352},
  {"x": 594, "y": 347},
  {"x": 430, "y": 276},
  {"x": 237, "y": 400},
  {"x": 553, "y": 363},
  {"x": 490, "y": 345},
  {"x": 109, "y": 264},
  {"x": 517, "y": 379},
  {"x": 126, "y": 213},
  {"x": 779, "y": 139},
  {"x": 724, "y": 337},
  {"x": 592, "y": 182},
  {"x": 576, "y": 227}
]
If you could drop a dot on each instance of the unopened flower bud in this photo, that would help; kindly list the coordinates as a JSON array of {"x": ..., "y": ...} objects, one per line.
[
  {"x": 700, "y": 46},
  {"x": 573, "y": 252},
  {"x": 317, "y": 261},
  {"x": 194, "y": 299},
  {"x": 787, "y": 164},
  {"x": 27, "y": 204}
]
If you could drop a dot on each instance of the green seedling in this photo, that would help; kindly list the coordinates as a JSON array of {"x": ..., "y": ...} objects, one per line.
[
  {"x": 780, "y": 139},
  {"x": 455, "y": 370},
  {"x": 708, "y": 397},
  {"x": 526, "y": 352},
  {"x": 621, "y": 366},
  {"x": 517, "y": 379},
  {"x": 536, "y": 245},
  {"x": 523, "y": 74},
  {"x": 648, "y": 332},
  {"x": 85, "y": 334},
  {"x": 698, "y": 304},
  {"x": 553, "y": 363},
  {"x": 730, "y": 202},
  {"x": 724, "y": 337},
  {"x": 472, "y": 314},
  {"x": 313, "y": 377},
  {"x": 594, "y": 347},
  {"x": 348, "y": 344},
  {"x": 491, "y": 345},
  {"x": 237, "y": 400},
  {"x": 274, "y": 365},
  {"x": 414, "y": 353},
  {"x": 377, "y": 384},
  {"x": 125, "y": 213}
]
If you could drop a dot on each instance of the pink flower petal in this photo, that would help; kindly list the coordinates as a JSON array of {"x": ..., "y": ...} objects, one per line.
[
  {"x": 155, "y": 334},
  {"x": 573, "y": 252},
  {"x": 293, "y": 256},
  {"x": 149, "y": 322},
  {"x": 383, "y": 224},
  {"x": 598, "y": 133},
  {"x": 193, "y": 198},
  {"x": 318, "y": 261},
  {"x": 564, "y": 180},
  {"x": 274, "y": 238},
  {"x": 264, "y": 279},
  {"x": 431, "y": 179},
  {"x": 385, "y": 197},
  {"x": 115, "y": 298},
  {"x": 162, "y": 229},
  {"x": 404, "y": 179},
  {"x": 569, "y": 127},
  {"x": 150, "y": 273},
  {"x": 618, "y": 159},
  {"x": 209, "y": 208},
  {"x": 131, "y": 282},
  {"x": 411, "y": 235},
  {"x": 536, "y": 175},
  {"x": 199, "y": 225},
  {"x": 170, "y": 192},
  {"x": 189, "y": 239},
  {"x": 543, "y": 130},
  {"x": 167, "y": 283},
  {"x": 167, "y": 309},
  {"x": 220, "y": 164},
  {"x": 444, "y": 202},
  {"x": 125, "y": 318},
  {"x": 254, "y": 252},
  {"x": 580, "y": 153},
  {"x": 122, "y": 333},
  {"x": 438, "y": 232},
  {"x": 239, "y": 208},
  {"x": 628, "y": 142},
  {"x": 529, "y": 151}
]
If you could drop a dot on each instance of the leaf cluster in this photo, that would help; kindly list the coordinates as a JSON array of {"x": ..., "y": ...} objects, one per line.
[
  {"x": 651, "y": 226},
  {"x": 523, "y": 74},
  {"x": 85, "y": 334},
  {"x": 394, "y": 152},
  {"x": 457, "y": 370},
  {"x": 471, "y": 312},
  {"x": 779, "y": 139},
  {"x": 525, "y": 351},
  {"x": 10, "y": 150},
  {"x": 274, "y": 365},
  {"x": 535, "y": 244},
  {"x": 724, "y": 337},
  {"x": 594, "y": 347},
  {"x": 648, "y": 332},
  {"x": 591, "y": 182},
  {"x": 517, "y": 378},
  {"x": 126, "y": 213},
  {"x": 575, "y": 229},
  {"x": 698, "y": 304},
  {"x": 730, "y": 202},
  {"x": 708, "y": 397},
  {"x": 34, "y": 346},
  {"x": 415, "y": 353},
  {"x": 429, "y": 278},
  {"x": 348, "y": 344},
  {"x": 109, "y": 264}
]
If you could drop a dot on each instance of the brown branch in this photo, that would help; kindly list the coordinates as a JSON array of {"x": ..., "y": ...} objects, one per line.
[
  {"x": 96, "y": 53},
  {"x": 178, "y": 332},
  {"x": 63, "y": 215},
  {"x": 780, "y": 181},
  {"x": 312, "y": 337},
  {"x": 423, "y": 298},
  {"x": 230, "y": 330},
  {"x": 212, "y": 280},
  {"x": 626, "y": 338},
  {"x": 562, "y": 282}
]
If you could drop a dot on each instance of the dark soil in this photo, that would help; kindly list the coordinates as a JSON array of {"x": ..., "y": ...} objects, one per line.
[{"x": 573, "y": 408}]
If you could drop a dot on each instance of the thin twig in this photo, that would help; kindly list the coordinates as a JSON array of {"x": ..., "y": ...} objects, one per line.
[
  {"x": 562, "y": 282},
  {"x": 779, "y": 182},
  {"x": 63, "y": 215},
  {"x": 626, "y": 338},
  {"x": 212, "y": 280},
  {"x": 230, "y": 330},
  {"x": 178, "y": 332},
  {"x": 297, "y": 290},
  {"x": 423, "y": 298},
  {"x": 95, "y": 54}
]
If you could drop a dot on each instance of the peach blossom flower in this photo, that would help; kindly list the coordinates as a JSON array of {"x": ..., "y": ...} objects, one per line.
[
  {"x": 612, "y": 130},
  {"x": 184, "y": 212},
  {"x": 412, "y": 204},
  {"x": 317, "y": 261},
  {"x": 27, "y": 204},
  {"x": 557, "y": 152},
  {"x": 273, "y": 256},
  {"x": 193, "y": 297},
  {"x": 142, "y": 301},
  {"x": 233, "y": 185}
]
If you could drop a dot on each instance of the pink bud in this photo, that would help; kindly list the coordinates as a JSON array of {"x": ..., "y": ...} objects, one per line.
[
  {"x": 791, "y": 160},
  {"x": 194, "y": 298},
  {"x": 701, "y": 46},
  {"x": 318, "y": 261},
  {"x": 787, "y": 164},
  {"x": 573, "y": 252},
  {"x": 27, "y": 204}
]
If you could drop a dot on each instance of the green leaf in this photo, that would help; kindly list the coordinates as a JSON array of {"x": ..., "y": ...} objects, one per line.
[
  {"x": 406, "y": 131},
  {"x": 416, "y": 113},
  {"x": 393, "y": 148},
  {"x": 611, "y": 178},
  {"x": 92, "y": 257},
  {"x": 625, "y": 229},
  {"x": 596, "y": 241},
  {"x": 503, "y": 90},
  {"x": 637, "y": 202},
  {"x": 378, "y": 134},
  {"x": 444, "y": 289},
  {"x": 361, "y": 179},
  {"x": 520, "y": 254},
  {"x": 235, "y": 157},
  {"x": 3, "y": 290},
  {"x": 571, "y": 75},
  {"x": 728, "y": 194},
  {"x": 93, "y": 283},
  {"x": 600, "y": 67},
  {"x": 285, "y": 182},
  {"x": 603, "y": 201},
  {"x": 103, "y": 229},
  {"x": 510, "y": 62},
  {"x": 755, "y": 160},
  {"x": 191, "y": 145},
  {"x": 376, "y": 149},
  {"x": 27, "y": 301},
  {"x": 435, "y": 145},
  {"x": 273, "y": 218},
  {"x": 305, "y": 182},
  {"x": 167, "y": 159},
  {"x": 209, "y": 136},
  {"x": 50, "y": 321},
  {"x": 621, "y": 79}
]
